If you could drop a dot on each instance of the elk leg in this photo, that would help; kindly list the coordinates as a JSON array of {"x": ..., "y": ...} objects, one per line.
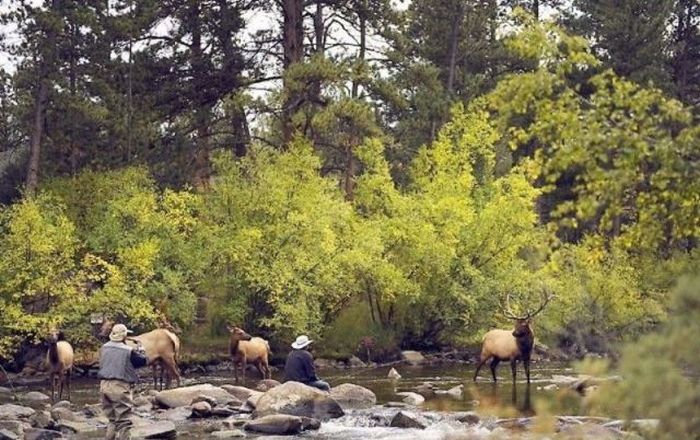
[
  {"x": 68, "y": 375},
  {"x": 478, "y": 367},
  {"x": 494, "y": 364},
  {"x": 526, "y": 364},
  {"x": 244, "y": 365},
  {"x": 512, "y": 368},
  {"x": 235, "y": 370},
  {"x": 53, "y": 386},
  {"x": 170, "y": 365}
]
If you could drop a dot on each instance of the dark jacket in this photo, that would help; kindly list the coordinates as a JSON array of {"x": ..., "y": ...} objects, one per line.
[
  {"x": 118, "y": 361},
  {"x": 300, "y": 367}
]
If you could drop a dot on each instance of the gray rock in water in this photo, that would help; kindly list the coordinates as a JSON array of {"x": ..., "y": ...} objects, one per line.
[
  {"x": 179, "y": 414},
  {"x": 6, "y": 434},
  {"x": 202, "y": 398},
  {"x": 42, "y": 419},
  {"x": 223, "y": 411},
  {"x": 279, "y": 424},
  {"x": 201, "y": 409},
  {"x": 351, "y": 396},
  {"x": 13, "y": 426},
  {"x": 75, "y": 427},
  {"x": 12, "y": 411},
  {"x": 412, "y": 398},
  {"x": 456, "y": 392},
  {"x": 252, "y": 401},
  {"x": 427, "y": 389},
  {"x": 589, "y": 431},
  {"x": 234, "y": 422},
  {"x": 62, "y": 404},
  {"x": 397, "y": 405},
  {"x": 355, "y": 362},
  {"x": 266, "y": 385},
  {"x": 162, "y": 429},
  {"x": 297, "y": 399},
  {"x": 229, "y": 433},
  {"x": 183, "y": 396},
  {"x": 469, "y": 417},
  {"x": 41, "y": 434},
  {"x": 5, "y": 392},
  {"x": 393, "y": 374},
  {"x": 34, "y": 397},
  {"x": 63, "y": 413},
  {"x": 406, "y": 420},
  {"x": 309, "y": 424},
  {"x": 241, "y": 393},
  {"x": 412, "y": 357}
]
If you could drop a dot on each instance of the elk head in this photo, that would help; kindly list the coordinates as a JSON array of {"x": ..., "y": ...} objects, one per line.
[
  {"x": 522, "y": 322},
  {"x": 237, "y": 333}
]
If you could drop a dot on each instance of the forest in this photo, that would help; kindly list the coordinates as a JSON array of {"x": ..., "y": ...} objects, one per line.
[{"x": 352, "y": 169}]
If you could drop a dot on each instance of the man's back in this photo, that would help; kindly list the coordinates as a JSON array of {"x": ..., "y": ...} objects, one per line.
[{"x": 300, "y": 367}]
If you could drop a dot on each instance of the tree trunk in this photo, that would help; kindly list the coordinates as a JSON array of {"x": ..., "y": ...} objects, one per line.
[
  {"x": 454, "y": 46},
  {"x": 292, "y": 42},
  {"x": 37, "y": 132},
  {"x": 201, "y": 159}
]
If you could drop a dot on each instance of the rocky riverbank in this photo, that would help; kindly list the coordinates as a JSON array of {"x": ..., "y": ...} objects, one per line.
[{"x": 349, "y": 411}]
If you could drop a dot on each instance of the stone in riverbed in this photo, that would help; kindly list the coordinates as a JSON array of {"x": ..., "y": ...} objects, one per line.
[
  {"x": 201, "y": 409},
  {"x": 63, "y": 413},
  {"x": 183, "y": 396},
  {"x": 355, "y": 362},
  {"x": 297, "y": 399},
  {"x": 393, "y": 374},
  {"x": 12, "y": 411},
  {"x": 412, "y": 357},
  {"x": 241, "y": 393},
  {"x": 69, "y": 427},
  {"x": 407, "y": 420},
  {"x": 279, "y": 424},
  {"x": 42, "y": 419},
  {"x": 229, "y": 433},
  {"x": 14, "y": 427},
  {"x": 160, "y": 429},
  {"x": 34, "y": 397},
  {"x": 351, "y": 396},
  {"x": 266, "y": 385},
  {"x": 412, "y": 398},
  {"x": 589, "y": 431},
  {"x": 469, "y": 417},
  {"x": 6, "y": 434},
  {"x": 41, "y": 434}
]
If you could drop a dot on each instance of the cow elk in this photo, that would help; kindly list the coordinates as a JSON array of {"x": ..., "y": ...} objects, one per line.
[
  {"x": 246, "y": 349},
  {"x": 162, "y": 348},
  {"x": 59, "y": 359},
  {"x": 511, "y": 345}
]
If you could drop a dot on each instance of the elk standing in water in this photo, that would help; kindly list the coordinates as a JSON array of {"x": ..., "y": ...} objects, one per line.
[
  {"x": 245, "y": 348},
  {"x": 59, "y": 359},
  {"x": 511, "y": 345}
]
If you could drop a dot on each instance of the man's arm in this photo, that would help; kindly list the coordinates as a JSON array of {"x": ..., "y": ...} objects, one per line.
[
  {"x": 138, "y": 357},
  {"x": 310, "y": 368}
]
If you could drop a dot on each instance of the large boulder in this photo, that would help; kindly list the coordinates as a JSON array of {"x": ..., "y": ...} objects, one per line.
[
  {"x": 34, "y": 397},
  {"x": 183, "y": 396},
  {"x": 6, "y": 434},
  {"x": 351, "y": 396},
  {"x": 12, "y": 411},
  {"x": 297, "y": 399},
  {"x": 241, "y": 393},
  {"x": 201, "y": 409},
  {"x": 267, "y": 384},
  {"x": 412, "y": 357},
  {"x": 160, "y": 429},
  {"x": 278, "y": 424}
]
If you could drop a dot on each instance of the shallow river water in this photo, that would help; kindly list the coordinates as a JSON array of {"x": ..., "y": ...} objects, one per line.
[{"x": 486, "y": 398}]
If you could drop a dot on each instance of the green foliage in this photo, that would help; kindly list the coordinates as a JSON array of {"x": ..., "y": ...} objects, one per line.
[{"x": 660, "y": 371}]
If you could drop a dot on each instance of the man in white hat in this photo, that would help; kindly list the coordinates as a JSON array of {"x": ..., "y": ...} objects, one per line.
[
  {"x": 118, "y": 364},
  {"x": 300, "y": 365}
]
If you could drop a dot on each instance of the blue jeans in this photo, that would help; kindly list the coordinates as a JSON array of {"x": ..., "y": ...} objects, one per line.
[{"x": 321, "y": 385}]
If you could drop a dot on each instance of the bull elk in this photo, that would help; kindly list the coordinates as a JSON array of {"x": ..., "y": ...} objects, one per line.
[
  {"x": 511, "y": 345},
  {"x": 244, "y": 349},
  {"x": 59, "y": 359}
]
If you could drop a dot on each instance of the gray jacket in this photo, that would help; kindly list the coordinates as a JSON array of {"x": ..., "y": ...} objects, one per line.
[{"x": 118, "y": 361}]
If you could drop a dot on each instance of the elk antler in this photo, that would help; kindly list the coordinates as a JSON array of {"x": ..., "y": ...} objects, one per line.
[
  {"x": 546, "y": 297},
  {"x": 507, "y": 311}
]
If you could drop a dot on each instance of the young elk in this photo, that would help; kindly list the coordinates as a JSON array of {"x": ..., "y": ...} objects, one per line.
[
  {"x": 245, "y": 348},
  {"x": 515, "y": 345},
  {"x": 59, "y": 360}
]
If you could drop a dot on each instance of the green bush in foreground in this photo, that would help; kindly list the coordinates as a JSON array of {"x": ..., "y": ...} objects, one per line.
[{"x": 660, "y": 372}]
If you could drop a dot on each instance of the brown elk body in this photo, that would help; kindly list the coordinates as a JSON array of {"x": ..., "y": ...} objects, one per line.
[
  {"x": 246, "y": 349},
  {"x": 59, "y": 359},
  {"x": 162, "y": 348},
  {"x": 510, "y": 345}
]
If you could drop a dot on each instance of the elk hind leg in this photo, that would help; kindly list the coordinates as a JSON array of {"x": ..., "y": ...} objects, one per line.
[
  {"x": 493, "y": 365},
  {"x": 482, "y": 361}
]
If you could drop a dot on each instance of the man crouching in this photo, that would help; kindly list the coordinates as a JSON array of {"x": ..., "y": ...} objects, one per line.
[{"x": 118, "y": 364}]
